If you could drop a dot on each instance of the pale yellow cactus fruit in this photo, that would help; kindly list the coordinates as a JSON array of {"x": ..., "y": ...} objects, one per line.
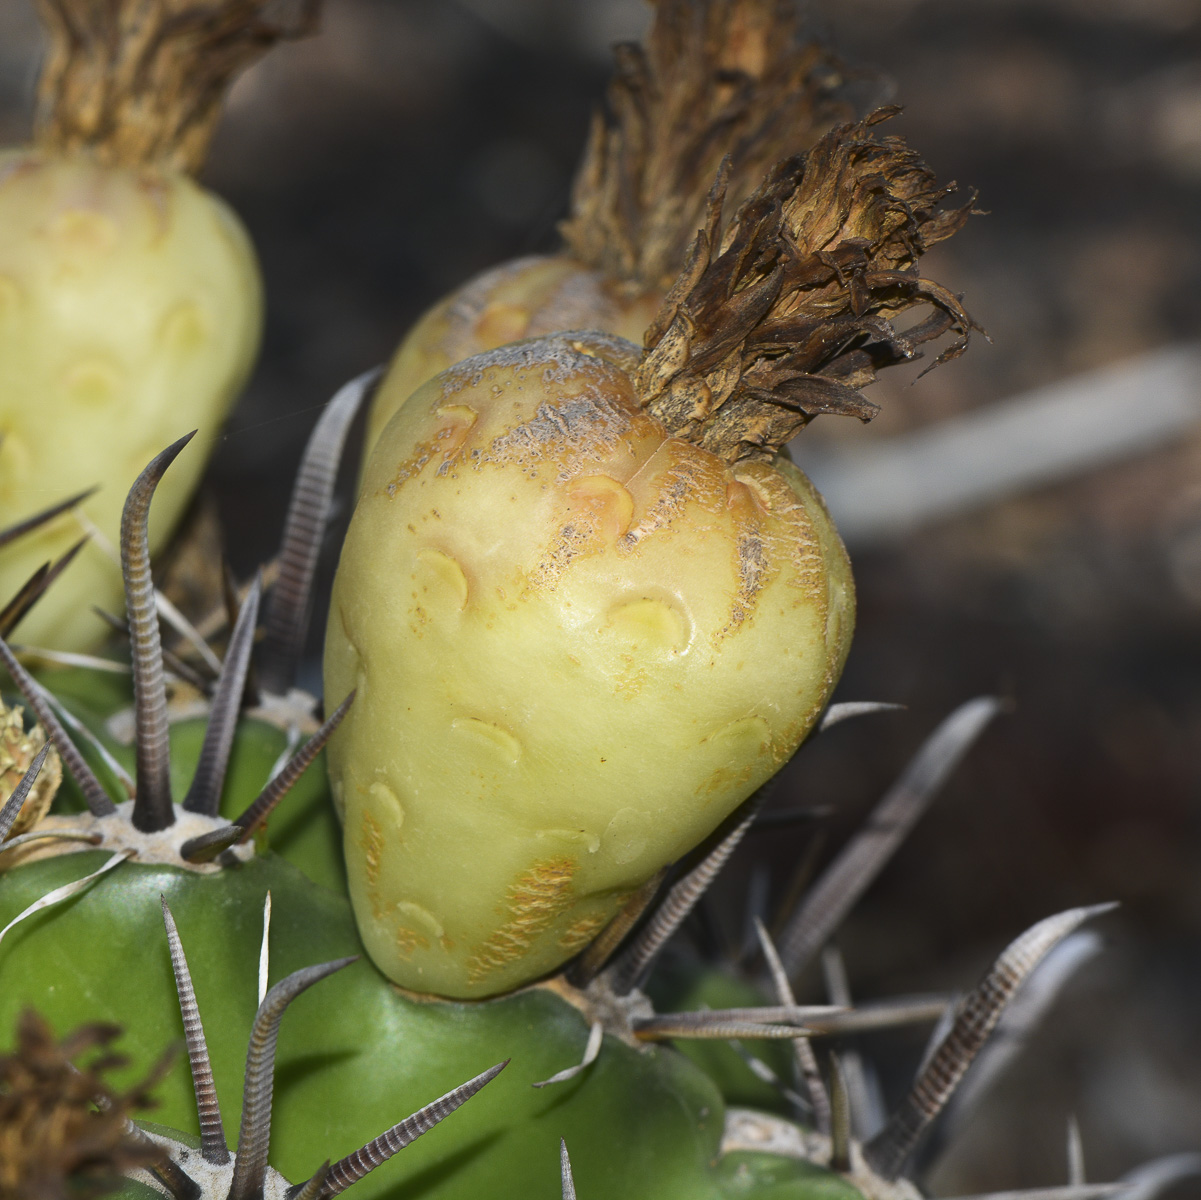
[
  {"x": 130, "y": 311},
  {"x": 578, "y": 644},
  {"x": 130, "y": 297},
  {"x": 18, "y": 749},
  {"x": 586, "y": 603}
]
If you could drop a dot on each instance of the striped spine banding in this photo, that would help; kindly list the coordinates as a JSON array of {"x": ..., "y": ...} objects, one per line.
[
  {"x": 978, "y": 1014},
  {"x": 213, "y": 1148},
  {"x": 204, "y": 794},
  {"x": 250, "y": 1164},
  {"x": 152, "y": 806},
  {"x": 288, "y": 608},
  {"x": 354, "y": 1166},
  {"x": 260, "y": 809}
]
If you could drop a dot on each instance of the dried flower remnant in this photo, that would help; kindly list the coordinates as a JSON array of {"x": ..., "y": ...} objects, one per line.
[
  {"x": 144, "y": 81},
  {"x": 64, "y": 1130},
  {"x": 18, "y": 749},
  {"x": 712, "y": 80},
  {"x": 725, "y": 79},
  {"x": 788, "y": 311}
]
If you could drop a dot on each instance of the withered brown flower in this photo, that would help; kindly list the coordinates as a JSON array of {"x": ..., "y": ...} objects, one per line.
[
  {"x": 788, "y": 311},
  {"x": 726, "y": 78},
  {"x": 64, "y": 1131}
]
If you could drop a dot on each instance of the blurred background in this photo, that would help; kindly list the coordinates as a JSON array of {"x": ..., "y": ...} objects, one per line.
[{"x": 414, "y": 142}]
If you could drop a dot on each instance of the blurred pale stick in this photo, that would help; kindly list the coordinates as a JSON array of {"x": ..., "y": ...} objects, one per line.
[{"x": 882, "y": 491}]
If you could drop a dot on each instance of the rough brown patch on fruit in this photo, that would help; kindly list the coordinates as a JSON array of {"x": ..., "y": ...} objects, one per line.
[
  {"x": 535, "y": 899},
  {"x": 569, "y": 543},
  {"x": 413, "y": 465},
  {"x": 581, "y": 428},
  {"x": 752, "y": 566},
  {"x": 408, "y": 942},
  {"x": 581, "y": 931},
  {"x": 371, "y": 839},
  {"x": 676, "y": 475}
]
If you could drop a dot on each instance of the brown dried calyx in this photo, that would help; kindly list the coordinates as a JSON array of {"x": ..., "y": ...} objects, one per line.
[
  {"x": 141, "y": 82},
  {"x": 716, "y": 78},
  {"x": 18, "y": 749},
  {"x": 789, "y": 310},
  {"x": 64, "y": 1132}
]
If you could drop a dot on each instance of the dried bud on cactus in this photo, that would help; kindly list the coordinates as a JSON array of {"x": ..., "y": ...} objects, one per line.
[
  {"x": 143, "y": 81},
  {"x": 18, "y": 749},
  {"x": 727, "y": 78},
  {"x": 788, "y": 310},
  {"x": 64, "y": 1130},
  {"x": 713, "y": 80}
]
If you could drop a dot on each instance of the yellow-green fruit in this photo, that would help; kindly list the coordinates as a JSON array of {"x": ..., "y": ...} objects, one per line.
[
  {"x": 525, "y": 298},
  {"x": 130, "y": 313},
  {"x": 577, "y": 643}
]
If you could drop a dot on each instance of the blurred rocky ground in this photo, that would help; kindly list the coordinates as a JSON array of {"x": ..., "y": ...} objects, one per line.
[{"x": 417, "y": 141}]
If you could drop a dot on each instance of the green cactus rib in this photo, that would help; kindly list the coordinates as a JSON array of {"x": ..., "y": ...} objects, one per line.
[{"x": 640, "y": 1123}]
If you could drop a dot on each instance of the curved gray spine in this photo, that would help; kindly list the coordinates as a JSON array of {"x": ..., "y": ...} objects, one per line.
[
  {"x": 850, "y": 874},
  {"x": 204, "y": 794},
  {"x": 354, "y": 1166},
  {"x": 978, "y": 1014},
  {"x": 152, "y": 808},
  {"x": 288, "y": 608},
  {"x": 250, "y": 1163}
]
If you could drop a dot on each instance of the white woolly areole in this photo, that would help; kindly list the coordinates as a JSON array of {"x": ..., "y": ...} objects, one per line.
[
  {"x": 212, "y": 1179},
  {"x": 117, "y": 833},
  {"x": 747, "y": 1129}
]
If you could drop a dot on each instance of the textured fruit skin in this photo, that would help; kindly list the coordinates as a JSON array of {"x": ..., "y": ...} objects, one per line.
[
  {"x": 130, "y": 313},
  {"x": 355, "y": 1054},
  {"x": 578, "y": 644},
  {"x": 528, "y": 297}
]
